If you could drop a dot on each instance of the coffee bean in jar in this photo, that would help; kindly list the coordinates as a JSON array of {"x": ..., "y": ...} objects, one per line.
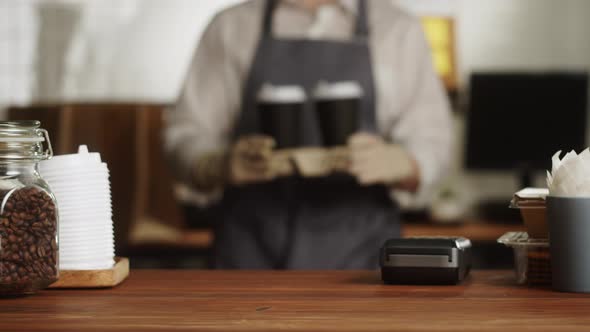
[{"x": 28, "y": 212}]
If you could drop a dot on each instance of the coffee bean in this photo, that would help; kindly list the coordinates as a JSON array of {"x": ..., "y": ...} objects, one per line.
[
  {"x": 28, "y": 251},
  {"x": 41, "y": 251}
]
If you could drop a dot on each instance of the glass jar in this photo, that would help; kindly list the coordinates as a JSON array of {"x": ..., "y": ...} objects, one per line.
[{"x": 28, "y": 211}]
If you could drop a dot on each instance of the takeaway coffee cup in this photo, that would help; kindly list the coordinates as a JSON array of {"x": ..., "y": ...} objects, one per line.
[
  {"x": 569, "y": 239},
  {"x": 280, "y": 110},
  {"x": 337, "y": 107}
]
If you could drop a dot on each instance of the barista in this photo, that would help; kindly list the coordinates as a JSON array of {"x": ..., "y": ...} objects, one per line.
[{"x": 331, "y": 222}]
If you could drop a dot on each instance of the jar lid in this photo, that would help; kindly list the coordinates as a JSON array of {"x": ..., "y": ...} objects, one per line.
[
  {"x": 81, "y": 160},
  {"x": 23, "y": 140}
]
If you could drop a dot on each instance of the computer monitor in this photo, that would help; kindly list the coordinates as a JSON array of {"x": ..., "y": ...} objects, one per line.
[{"x": 517, "y": 120}]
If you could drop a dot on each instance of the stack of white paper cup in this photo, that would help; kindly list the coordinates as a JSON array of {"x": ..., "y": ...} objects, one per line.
[{"x": 81, "y": 186}]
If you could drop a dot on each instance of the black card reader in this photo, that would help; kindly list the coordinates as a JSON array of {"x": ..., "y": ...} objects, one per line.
[{"x": 425, "y": 260}]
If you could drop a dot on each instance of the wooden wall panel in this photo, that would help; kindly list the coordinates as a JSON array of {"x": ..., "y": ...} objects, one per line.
[
  {"x": 128, "y": 136},
  {"x": 161, "y": 202}
]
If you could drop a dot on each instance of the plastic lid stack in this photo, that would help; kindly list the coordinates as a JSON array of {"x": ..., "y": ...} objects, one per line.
[{"x": 80, "y": 183}]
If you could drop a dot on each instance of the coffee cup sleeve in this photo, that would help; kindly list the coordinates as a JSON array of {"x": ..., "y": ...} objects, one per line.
[{"x": 311, "y": 162}]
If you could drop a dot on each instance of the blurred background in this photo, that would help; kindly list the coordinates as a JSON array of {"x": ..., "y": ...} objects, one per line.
[{"x": 101, "y": 72}]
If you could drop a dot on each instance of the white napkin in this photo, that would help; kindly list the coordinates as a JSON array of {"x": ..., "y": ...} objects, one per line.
[{"x": 570, "y": 175}]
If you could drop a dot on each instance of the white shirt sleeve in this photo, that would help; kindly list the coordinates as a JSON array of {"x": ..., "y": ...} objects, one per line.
[
  {"x": 424, "y": 125},
  {"x": 202, "y": 119}
]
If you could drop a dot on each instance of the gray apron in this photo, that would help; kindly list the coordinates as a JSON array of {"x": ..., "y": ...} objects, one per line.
[{"x": 296, "y": 223}]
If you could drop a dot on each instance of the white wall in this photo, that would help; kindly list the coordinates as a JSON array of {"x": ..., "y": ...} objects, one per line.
[
  {"x": 508, "y": 35},
  {"x": 514, "y": 34},
  {"x": 141, "y": 54},
  {"x": 521, "y": 35},
  {"x": 17, "y": 44},
  {"x": 139, "y": 49}
]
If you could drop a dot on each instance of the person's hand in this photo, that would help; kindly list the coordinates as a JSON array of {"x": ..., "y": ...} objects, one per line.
[
  {"x": 374, "y": 161},
  {"x": 250, "y": 160}
]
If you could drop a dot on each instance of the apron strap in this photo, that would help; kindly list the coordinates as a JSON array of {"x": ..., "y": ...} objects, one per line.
[
  {"x": 361, "y": 28},
  {"x": 362, "y": 20},
  {"x": 269, "y": 9}
]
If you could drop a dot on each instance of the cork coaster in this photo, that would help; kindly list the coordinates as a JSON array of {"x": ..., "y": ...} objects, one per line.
[{"x": 94, "y": 278}]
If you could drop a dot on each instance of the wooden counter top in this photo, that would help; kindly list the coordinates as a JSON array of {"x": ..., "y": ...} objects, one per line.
[
  {"x": 298, "y": 301},
  {"x": 475, "y": 230}
]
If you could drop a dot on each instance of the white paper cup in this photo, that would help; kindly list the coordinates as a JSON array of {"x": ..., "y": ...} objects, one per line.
[
  {"x": 101, "y": 201},
  {"x": 45, "y": 168},
  {"x": 88, "y": 233},
  {"x": 68, "y": 192},
  {"x": 83, "y": 239},
  {"x": 82, "y": 188},
  {"x": 89, "y": 174},
  {"x": 87, "y": 252},
  {"x": 79, "y": 160},
  {"x": 72, "y": 251},
  {"x": 69, "y": 218},
  {"x": 91, "y": 229},
  {"x": 80, "y": 185},
  {"x": 84, "y": 260},
  {"x": 88, "y": 249},
  {"x": 97, "y": 265},
  {"x": 85, "y": 208}
]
